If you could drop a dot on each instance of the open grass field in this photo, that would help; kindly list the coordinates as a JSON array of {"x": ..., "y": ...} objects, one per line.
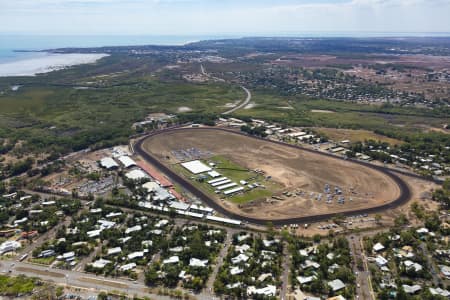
[
  {"x": 27, "y": 270},
  {"x": 338, "y": 114},
  {"x": 51, "y": 116},
  {"x": 236, "y": 173},
  {"x": 43, "y": 261},
  {"x": 301, "y": 176},
  {"x": 16, "y": 285},
  {"x": 355, "y": 135}
]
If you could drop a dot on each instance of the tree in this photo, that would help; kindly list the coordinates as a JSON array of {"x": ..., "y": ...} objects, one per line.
[
  {"x": 378, "y": 218},
  {"x": 401, "y": 220},
  {"x": 317, "y": 238},
  {"x": 432, "y": 221},
  {"x": 338, "y": 218},
  {"x": 172, "y": 213},
  {"x": 59, "y": 291},
  {"x": 151, "y": 277},
  {"x": 418, "y": 210},
  {"x": 286, "y": 236},
  {"x": 270, "y": 228},
  {"x": 401, "y": 294},
  {"x": 197, "y": 247}
]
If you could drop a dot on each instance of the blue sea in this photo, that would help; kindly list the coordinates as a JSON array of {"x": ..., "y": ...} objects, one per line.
[{"x": 10, "y": 44}]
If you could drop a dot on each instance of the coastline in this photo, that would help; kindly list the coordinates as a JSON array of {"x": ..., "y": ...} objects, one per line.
[{"x": 48, "y": 62}]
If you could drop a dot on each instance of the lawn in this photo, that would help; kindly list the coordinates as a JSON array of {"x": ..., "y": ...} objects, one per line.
[
  {"x": 235, "y": 173},
  {"x": 12, "y": 286},
  {"x": 62, "y": 119},
  {"x": 303, "y": 111},
  {"x": 355, "y": 135},
  {"x": 42, "y": 261}
]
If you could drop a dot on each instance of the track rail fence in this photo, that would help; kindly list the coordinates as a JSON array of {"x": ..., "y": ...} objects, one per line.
[{"x": 404, "y": 197}]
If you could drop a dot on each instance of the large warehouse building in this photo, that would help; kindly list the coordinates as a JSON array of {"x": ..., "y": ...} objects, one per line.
[{"x": 196, "y": 167}]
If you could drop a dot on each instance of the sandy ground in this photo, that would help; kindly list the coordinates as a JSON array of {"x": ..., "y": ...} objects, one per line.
[
  {"x": 294, "y": 169},
  {"x": 184, "y": 109},
  {"x": 322, "y": 111},
  {"x": 421, "y": 193},
  {"x": 44, "y": 63},
  {"x": 250, "y": 105},
  {"x": 339, "y": 134}
]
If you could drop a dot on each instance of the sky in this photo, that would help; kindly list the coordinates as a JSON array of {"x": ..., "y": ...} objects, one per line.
[{"x": 214, "y": 17}]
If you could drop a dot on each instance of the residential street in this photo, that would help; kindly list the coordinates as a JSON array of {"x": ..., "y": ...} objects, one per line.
[
  {"x": 286, "y": 264},
  {"x": 434, "y": 270},
  {"x": 219, "y": 262},
  {"x": 363, "y": 283}
]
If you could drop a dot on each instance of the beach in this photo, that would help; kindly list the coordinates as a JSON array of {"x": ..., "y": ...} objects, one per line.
[{"x": 46, "y": 63}]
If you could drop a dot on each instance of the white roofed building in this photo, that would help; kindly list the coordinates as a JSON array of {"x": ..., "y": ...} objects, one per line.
[
  {"x": 127, "y": 267},
  {"x": 137, "y": 174},
  {"x": 9, "y": 246},
  {"x": 114, "y": 251},
  {"x": 196, "y": 167},
  {"x": 268, "y": 291},
  {"x": 100, "y": 263},
  {"x": 240, "y": 258},
  {"x": 214, "y": 174},
  {"x": 108, "y": 163},
  {"x": 179, "y": 206},
  {"x": 236, "y": 271},
  {"x": 151, "y": 186},
  {"x": 171, "y": 260},
  {"x": 411, "y": 289},
  {"x": 133, "y": 229},
  {"x": 378, "y": 247},
  {"x": 336, "y": 285},
  {"x": 194, "y": 262},
  {"x": 306, "y": 279},
  {"x": 381, "y": 261},
  {"x": 134, "y": 255},
  {"x": 126, "y": 161}
]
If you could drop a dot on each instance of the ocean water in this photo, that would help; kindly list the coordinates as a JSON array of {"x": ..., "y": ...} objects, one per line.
[
  {"x": 11, "y": 44},
  {"x": 19, "y": 54},
  {"x": 15, "y": 62}
]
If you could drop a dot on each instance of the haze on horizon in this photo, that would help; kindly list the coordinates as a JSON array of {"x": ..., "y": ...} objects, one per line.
[{"x": 191, "y": 17}]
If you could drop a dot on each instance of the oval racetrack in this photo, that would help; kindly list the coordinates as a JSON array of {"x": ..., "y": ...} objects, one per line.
[{"x": 403, "y": 196}]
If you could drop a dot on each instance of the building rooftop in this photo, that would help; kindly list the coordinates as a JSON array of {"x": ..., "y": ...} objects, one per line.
[
  {"x": 108, "y": 163},
  {"x": 196, "y": 167},
  {"x": 136, "y": 174},
  {"x": 126, "y": 161},
  {"x": 336, "y": 285}
]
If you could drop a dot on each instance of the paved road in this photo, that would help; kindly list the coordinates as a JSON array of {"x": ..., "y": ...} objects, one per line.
[
  {"x": 223, "y": 253},
  {"x": 242, "y": 104},
  {"x": 73, "y": 278},
  {"x": 83, "y": 281},
  {"x": 434, "y": 271},
  {"x": 286, "y": 264},
  {"x": 90, "y": 258},
  {"x": 365, "y": 289},
  {"x": 49, "y": 235},
  {"x": 363, "y": 283},
  {"x": 404, "y": 196},
  {"x": 203, "y": 70}
]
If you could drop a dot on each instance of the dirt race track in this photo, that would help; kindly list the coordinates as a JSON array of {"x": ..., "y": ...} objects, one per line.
[{"x": 371, "y": 188}]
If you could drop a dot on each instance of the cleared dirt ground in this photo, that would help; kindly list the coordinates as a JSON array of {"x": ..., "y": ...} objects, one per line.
[{"x": 296, "y": 170}]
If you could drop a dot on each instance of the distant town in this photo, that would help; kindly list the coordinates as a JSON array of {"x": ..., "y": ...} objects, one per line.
[{"x": 233, "y": 169}]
